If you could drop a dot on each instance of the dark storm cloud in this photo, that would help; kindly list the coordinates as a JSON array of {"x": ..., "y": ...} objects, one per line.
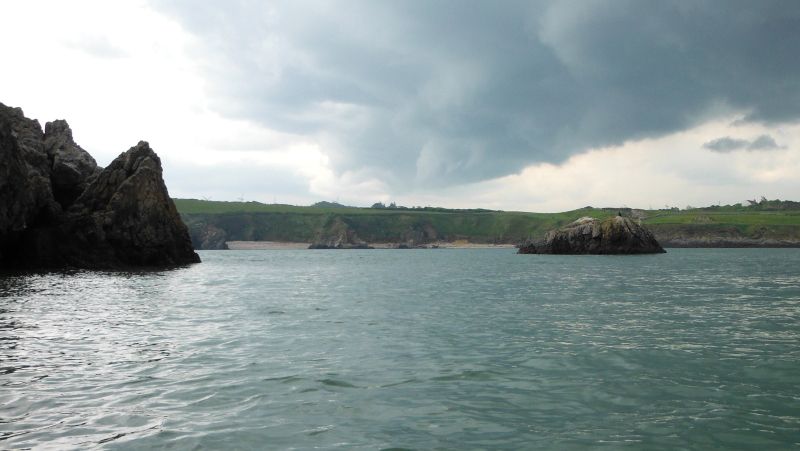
[
  {"x": 728, "y": 144},
  {"x": 444, "y": 92}
]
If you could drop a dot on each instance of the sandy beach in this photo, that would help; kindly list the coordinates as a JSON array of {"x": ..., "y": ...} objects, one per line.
[
  {"x": 265, "y": 246},
  {"x": 281, "y": 246}
]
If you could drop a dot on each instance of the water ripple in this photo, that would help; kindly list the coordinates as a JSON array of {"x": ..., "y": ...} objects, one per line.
[{"x": 479, "y": 349}]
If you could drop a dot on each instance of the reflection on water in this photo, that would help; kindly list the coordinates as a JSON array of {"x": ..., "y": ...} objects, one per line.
[{"x": 451, "y": 349}]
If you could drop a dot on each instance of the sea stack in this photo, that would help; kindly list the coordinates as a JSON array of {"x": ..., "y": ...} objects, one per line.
[
  {"x": 590, "y": 236},
  {"x": 58, "y": 209}
]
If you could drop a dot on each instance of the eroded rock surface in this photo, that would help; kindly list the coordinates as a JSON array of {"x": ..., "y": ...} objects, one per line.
[
  {"x": 73, "y": 169},
  {"x": 338, "y": 234},
  {"x": 59, "y": 209},
  {"x": 615, "y": 236},
  {"x": 208, "y": 237}
]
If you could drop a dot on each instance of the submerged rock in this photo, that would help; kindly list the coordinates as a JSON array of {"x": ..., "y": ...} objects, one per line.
[
  {"x": 59, "y": 209},
  {"x": 618, "y": 235}
]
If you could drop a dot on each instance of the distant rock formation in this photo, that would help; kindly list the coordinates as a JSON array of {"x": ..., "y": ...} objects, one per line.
[
  {"x": 338, "y": 234},
  {"x": 208, "y": 237},
  {"x": 615, "y": 236},
  {"x": 58, "y": 209}
]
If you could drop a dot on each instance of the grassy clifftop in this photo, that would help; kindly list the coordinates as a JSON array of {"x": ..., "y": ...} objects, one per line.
[{"x": 213, "y": 222}]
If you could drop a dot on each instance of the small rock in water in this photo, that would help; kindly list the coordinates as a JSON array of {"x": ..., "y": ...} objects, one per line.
[{"x": 616, "y": 236}]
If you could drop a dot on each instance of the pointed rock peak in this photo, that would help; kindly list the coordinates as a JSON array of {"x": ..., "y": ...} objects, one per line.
[
  {"x": 139, "y": 155},
  {"x": 73, "y": 168}
]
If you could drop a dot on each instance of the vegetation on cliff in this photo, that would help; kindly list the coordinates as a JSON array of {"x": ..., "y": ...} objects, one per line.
[
  {"x": 767, "y": 224},
  {"x": 268, "y": 222}
]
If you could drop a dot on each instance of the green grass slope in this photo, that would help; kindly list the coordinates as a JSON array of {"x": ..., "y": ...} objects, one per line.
[
  {"x": 252, "y": 221},
  {"x": 771, "y": 223}
]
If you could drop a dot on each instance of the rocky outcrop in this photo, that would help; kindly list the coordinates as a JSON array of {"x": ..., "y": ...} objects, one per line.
[
  {"x": 338, "y": 234},
  {"x": 615, "y": 236},
  {"x": 26, "y": 197},
  {"x": 208, "y": 237},
  {"x": 59, "y": 209}
]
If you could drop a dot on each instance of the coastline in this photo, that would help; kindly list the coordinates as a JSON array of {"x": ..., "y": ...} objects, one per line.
[
  {"x": 286, "y": 246},
  {"x": 707, "y": 243}
]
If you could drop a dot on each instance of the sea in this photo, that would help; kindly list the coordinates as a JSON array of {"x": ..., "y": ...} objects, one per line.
[{"x": 441, "y": 349}]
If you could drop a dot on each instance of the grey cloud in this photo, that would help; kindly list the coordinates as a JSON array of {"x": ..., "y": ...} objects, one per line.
[
  {"x": 763, "y": 142},
  {"x": 728, "y": 144},
  {"x": 446, "y": 92}
]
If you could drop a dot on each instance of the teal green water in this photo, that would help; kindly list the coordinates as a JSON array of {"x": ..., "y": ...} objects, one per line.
[{"x": 416, "y": 350}]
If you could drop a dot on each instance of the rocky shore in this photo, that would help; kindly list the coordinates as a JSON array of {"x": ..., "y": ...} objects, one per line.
[
  {"x": 725, "y": 242},
  {"x": 59, "y": 209}
]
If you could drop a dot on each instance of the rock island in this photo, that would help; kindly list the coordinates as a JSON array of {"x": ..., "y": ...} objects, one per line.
[{"x": 615, "y": 236}]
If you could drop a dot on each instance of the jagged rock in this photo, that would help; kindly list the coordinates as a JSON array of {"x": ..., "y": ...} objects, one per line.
[
  {"x": 25, "y": 192},
  {"x": 118, "y": 217},
  {"x": 618, "y": 235},
  {"x": 73, "y": 168}
]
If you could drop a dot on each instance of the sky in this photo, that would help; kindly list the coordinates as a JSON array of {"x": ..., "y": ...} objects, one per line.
[{"x": 541, "y": 106}]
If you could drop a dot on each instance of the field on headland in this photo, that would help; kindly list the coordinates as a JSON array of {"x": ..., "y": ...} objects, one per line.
[{"x": 212, "y": 223}]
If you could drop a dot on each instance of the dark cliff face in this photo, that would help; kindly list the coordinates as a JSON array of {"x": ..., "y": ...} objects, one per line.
[
  {"x": 26, "y": 195},
  {"x": 59, "y": 209},
  {"x": 615, "y": 236},
  {"x": 73, "y": 169}
]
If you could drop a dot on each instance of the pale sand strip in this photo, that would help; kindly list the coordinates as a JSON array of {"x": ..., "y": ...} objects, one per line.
[
  {"x": 265, "y": 246},
  {"x": 281, "y": 246},
  {"x": 475, "y": 246}
]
